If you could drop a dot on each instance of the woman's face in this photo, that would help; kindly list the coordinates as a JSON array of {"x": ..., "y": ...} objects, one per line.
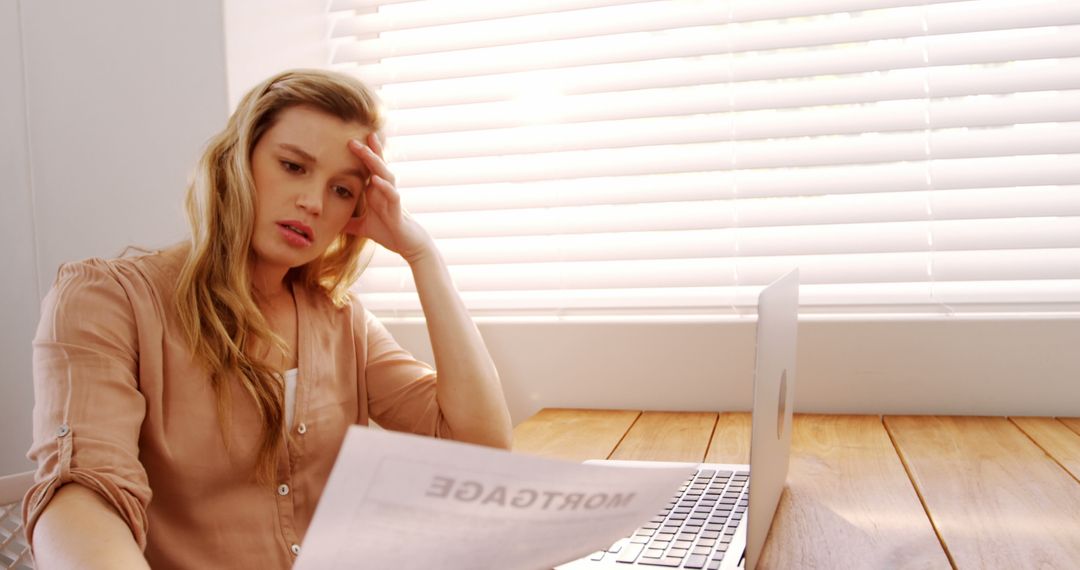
[{"x": 307, "y": 185}]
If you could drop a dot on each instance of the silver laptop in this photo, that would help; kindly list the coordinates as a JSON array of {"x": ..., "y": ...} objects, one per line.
[{"x": 719, "y": 518}]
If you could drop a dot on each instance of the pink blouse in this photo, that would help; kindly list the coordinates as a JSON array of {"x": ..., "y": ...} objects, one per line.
[{"x": 121, "y": 408}]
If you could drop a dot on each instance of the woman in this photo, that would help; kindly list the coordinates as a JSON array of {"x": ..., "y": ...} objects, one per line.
[{"x": 190, "y": 403}]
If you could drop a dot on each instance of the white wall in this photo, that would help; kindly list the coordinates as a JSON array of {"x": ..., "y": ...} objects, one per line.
[
  {"x": 263, "y": 37},
  {"x": 19, "y": 281},
  {"x": 969, "y": 367},
  {"x": 105, "y": 108}
]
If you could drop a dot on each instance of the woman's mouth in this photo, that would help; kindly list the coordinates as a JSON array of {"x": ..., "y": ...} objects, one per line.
[{"x": 296, "y": 233}]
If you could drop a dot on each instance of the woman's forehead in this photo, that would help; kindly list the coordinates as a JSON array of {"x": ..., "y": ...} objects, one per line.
[
  {"x": 300, "y": 125},
  {"x": 315, "y": 135}
]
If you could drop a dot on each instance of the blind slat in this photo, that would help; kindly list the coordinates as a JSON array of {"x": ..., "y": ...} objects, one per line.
[
  {"x": 741, "y": 10},
  {"x": 435, "y": 31},
  {"x": 744, "y": 213},
  {"x": 914, "y": 50},
  {"x": 1045, "y": 138},
  {"x": 431, "y": 14},
  {"x": 934, "y": 83},
  {"x": 770, "y": 124},
  {"x": 707, "y": 72},
  {"x": 1063, "y": 263},
  {"x": 872, "y": 187},
  {"x": 1035, "y": 233},
  {"x": 874, "y": 298}
]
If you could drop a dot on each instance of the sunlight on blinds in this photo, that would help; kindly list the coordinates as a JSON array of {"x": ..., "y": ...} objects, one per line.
[{"x": 672, "y": 157}]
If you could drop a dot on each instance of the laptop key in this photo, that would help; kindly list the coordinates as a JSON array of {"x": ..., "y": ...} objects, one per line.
[
  {"x": 695, "y": 561},
  {"x": 715, "y": 565},
  {"x": 667, "y": 562},
  {"x": 630, "y": 553},
  {"x": 653, "y": 553}
]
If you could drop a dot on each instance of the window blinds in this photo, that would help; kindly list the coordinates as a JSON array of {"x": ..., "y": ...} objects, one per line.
[{"x": 607, "y": 157}]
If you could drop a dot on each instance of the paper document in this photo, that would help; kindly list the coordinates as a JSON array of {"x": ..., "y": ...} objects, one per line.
[{"x": 404, "y": 501}]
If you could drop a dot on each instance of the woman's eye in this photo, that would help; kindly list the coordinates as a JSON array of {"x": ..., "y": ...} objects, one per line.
[
  {"x": 343, "y": 192},
  {"x": 292, "y": 166}
]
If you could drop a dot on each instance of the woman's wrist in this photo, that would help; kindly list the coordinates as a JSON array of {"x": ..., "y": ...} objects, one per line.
[{"x": 425, "y": 249}]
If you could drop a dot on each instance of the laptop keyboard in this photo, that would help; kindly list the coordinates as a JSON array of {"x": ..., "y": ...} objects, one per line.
[{"x": 694, "y": 530}]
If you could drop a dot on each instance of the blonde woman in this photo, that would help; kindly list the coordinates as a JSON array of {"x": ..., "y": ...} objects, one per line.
[{"x": 190, "y": 403}]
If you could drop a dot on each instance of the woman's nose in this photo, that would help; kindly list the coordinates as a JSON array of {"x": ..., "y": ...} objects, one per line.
[{"x": 311, "y": 200}]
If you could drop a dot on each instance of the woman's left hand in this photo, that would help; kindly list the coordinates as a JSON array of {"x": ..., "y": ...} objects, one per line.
[{"x": 384, "y": 219}]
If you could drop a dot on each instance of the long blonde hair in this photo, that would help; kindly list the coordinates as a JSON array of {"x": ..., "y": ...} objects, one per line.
[{"x": 217, "y": 309}]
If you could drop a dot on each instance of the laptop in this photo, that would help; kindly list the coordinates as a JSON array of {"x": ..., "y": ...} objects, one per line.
[{"x": 721, "y": 515}]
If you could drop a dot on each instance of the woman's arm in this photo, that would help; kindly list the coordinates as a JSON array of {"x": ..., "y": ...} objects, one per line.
[
  {"x": 87, "y": 508},
  {"x": 79, "y": 530},
  {"x": 469, "y": 393},
  {"x": 468, "y": 390}
]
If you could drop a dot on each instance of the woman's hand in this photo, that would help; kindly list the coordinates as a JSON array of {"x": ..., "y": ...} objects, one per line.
[{"x": 384, "y": 219}]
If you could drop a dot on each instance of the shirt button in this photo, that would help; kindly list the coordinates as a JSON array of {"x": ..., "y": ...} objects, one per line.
[
  {"x": 283, "y": 489},
  {"x": 295, "y": 549},
  {"x": 302, "y": 428},
  {"x": 63, "y": 430}
]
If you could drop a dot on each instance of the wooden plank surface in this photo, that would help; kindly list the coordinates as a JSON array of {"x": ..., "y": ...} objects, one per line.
[
  {"x": 849, "y": 502},
  {"x": 575, "y": 435},
  {"x": 996, "y": 499},
  {"x": 1056, "y": 439},
  {"x": 667, "y": 436},
  {"x": 1071, "y": 423},
  {"x": 731, "y": 439}
]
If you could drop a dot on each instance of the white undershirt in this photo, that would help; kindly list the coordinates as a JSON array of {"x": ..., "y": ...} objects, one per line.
[{"x": 290, "y": 396}]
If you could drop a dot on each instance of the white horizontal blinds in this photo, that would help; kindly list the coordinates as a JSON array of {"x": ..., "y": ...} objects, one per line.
[{"x": 621, "y": 157}]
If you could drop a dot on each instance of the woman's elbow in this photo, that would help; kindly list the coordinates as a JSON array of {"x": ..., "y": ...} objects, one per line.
[{"x": 494, "y": 437}]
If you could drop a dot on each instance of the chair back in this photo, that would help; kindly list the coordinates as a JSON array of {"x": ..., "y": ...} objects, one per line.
[{"x": 14, "y": 551}]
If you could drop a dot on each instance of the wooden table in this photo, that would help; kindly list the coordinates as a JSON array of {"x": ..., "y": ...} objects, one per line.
[{"x": 871, "y": 492}]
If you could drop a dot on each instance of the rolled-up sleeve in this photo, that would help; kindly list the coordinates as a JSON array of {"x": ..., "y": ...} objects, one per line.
[
  {"x": 88, "y": 410},
  {"x": 401, "y": 390}
]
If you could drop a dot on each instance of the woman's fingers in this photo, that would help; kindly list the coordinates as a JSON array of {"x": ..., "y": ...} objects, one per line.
[
  {"x": 376, "y": 143},
  {"x": 386, "y": 189},
  {"x": 384, "y": 220},
  {"x": 372, "y": 159},
  {"x": 384, "y": 203}
]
